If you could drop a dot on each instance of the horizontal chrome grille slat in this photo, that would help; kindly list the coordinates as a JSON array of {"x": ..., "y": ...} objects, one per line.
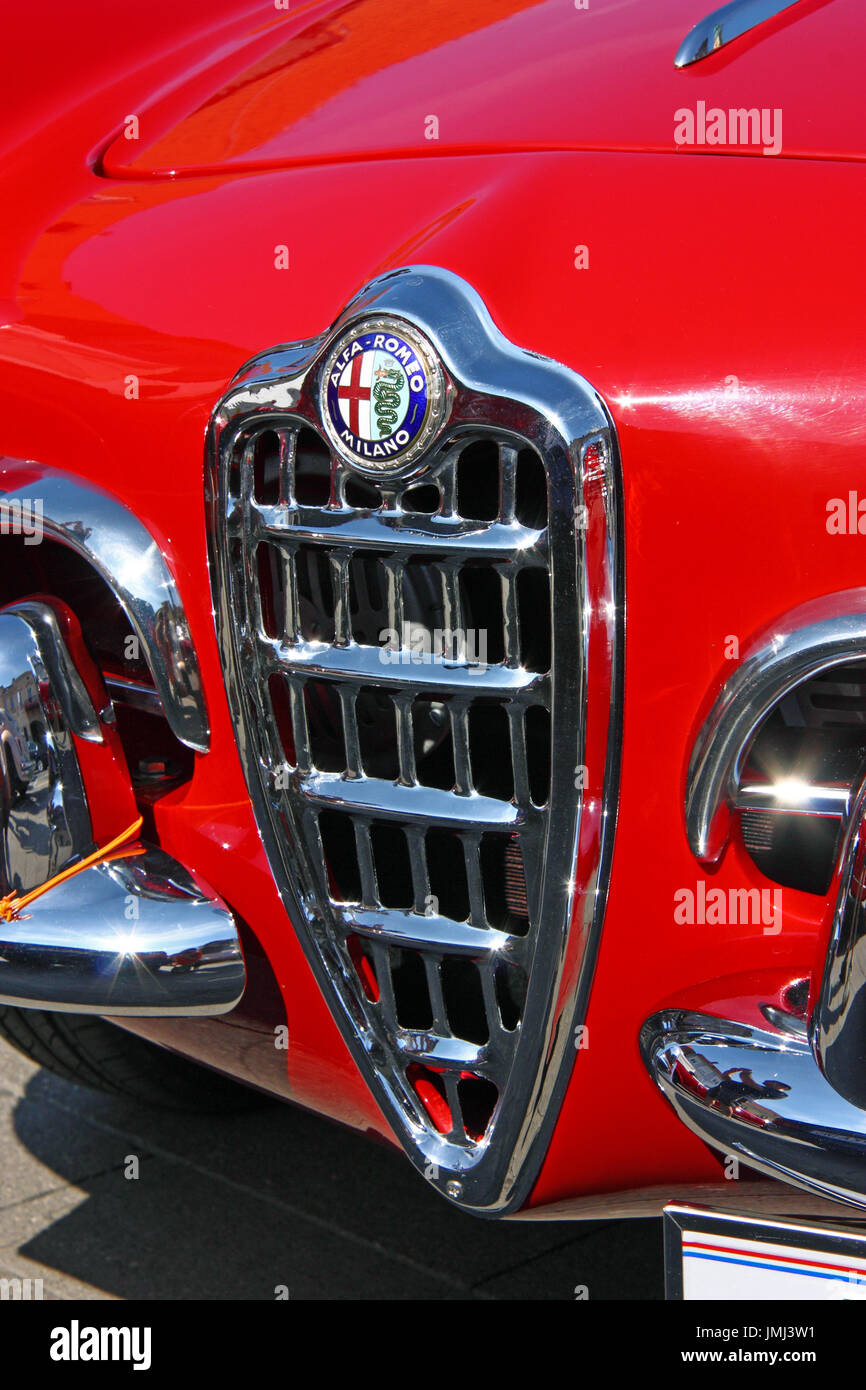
[
  {"x": 367, "y": 794},
  {"x": 290, "y": 527},
  {"x": 365, "y": 666},
  {"x": 433, "y": 933},
  {"x": 448, "y": 1053}
]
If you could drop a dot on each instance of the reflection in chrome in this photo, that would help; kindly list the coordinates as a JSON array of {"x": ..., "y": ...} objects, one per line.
[
  {"x": 513, "y": 400},
  {"x": 111, "y": 539},
  {"x": 839, "y": 1023},
  {"x": 44, "y": 819},
  {"x": 814, "y": 637},
  {"x": 760, "y": 1096},
  {"x": 723, "y": 25},
  {"x": 136, "y": 936},
  {"x": 804, "y": 798}
]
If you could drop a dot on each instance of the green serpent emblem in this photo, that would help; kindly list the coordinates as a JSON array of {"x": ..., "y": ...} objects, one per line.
[{"x": 386, "y": 399}]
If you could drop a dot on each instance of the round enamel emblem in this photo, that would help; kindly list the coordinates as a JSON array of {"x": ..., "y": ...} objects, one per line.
[{"x": 382, "y": 396}]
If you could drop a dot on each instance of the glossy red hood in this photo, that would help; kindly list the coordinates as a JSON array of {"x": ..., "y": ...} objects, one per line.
[{"x": 335, "y": 80}]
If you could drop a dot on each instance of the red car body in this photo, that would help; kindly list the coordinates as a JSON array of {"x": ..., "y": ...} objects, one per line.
[{"x": 717, "y": 309}]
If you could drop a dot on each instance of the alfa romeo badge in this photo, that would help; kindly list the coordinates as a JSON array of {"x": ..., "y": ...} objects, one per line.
[{"x": 383, "y": 396}]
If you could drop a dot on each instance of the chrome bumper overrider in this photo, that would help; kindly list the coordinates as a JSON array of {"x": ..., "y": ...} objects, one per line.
[
  {"x": 759, "y": 1096},
  {"x": 138, "y": 936},
  {"x": 134, "y": 935}
]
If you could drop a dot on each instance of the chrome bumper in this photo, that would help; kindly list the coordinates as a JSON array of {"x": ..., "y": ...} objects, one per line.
[{"x": 136, "y": 935}]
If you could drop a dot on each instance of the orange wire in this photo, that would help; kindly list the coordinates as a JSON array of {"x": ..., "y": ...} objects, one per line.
[{"x": 11, "y": 905}]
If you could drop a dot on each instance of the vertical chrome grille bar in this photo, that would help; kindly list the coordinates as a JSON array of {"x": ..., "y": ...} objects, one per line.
[{"x": 340, "y": 582}]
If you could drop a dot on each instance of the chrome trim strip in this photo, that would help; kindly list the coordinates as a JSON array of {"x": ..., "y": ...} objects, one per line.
[
  {"x": 839, "y": 1020},
  {"x": 822, "y": 633},
  {"x": 725, "y": 24},
  {"x": 760, "y": 1097},
  {"x": 525, "y": 398},
  {"x": 111, "y": 539},
  {"x": 137, "y": 937}
]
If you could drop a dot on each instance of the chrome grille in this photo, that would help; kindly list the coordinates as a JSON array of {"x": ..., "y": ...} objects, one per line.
[
  {"x": 421, "y": 863},
  {"x": 407, "y": 664}
]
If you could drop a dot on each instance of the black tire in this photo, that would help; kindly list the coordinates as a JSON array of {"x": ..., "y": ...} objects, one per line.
[{"x": 90, "y": 1052}]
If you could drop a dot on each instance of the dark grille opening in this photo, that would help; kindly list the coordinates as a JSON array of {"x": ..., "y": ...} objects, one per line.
[
  {"x": 365, "y": 967},
  {"x": 426, "y": 498},
  {"x": 815, "y": 736},
  {"x": 359, "y": 493},
  {"x": 233, "y": 481},
  {"x": 434, "y": 748},
  {"x": 430, "y": 1090},
  {"x": 377, "y": 733},
  {"x": 464, "y": 1000},
  {"x": 799, "y": 851},
  {"x": 312, "y": 470},
  {"x": 478, "y": 1098},
  {"x": 510, "y": 983},
  {"x": 504, "y": 884},
  {"x": 530, "y": 490},
  {"x": 266, "y": 468},
  {"x": 271, "y": 590},
  {"x": 490, "y": 749},
  {"x": 478, "y": 481},
  {"x": 341, "y": 856},
  {"x": 411, "y": 995},
  {"x": 393, "y": 867},
  {"x": 325, "y": 725},
  {"x": 538, "y": 745},
  {"x": 282, "y": 710},
  {"x": 315, "y": 594},
  {"x": 481, "y": 591},
  {"x": 368, "y": 598},
  {"x": 446, "y": 866},
  {"x": 533, "y": 605}
]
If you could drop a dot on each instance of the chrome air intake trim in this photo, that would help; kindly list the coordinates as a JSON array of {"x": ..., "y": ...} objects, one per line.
[
  {"x": 509, "y": 404},
  {"x": 109, "y": 537},
  {"x": 814, "y": 637}
]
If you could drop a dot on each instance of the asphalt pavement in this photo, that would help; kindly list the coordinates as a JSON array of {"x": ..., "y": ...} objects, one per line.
[{"x": 103, "y": 1198}]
